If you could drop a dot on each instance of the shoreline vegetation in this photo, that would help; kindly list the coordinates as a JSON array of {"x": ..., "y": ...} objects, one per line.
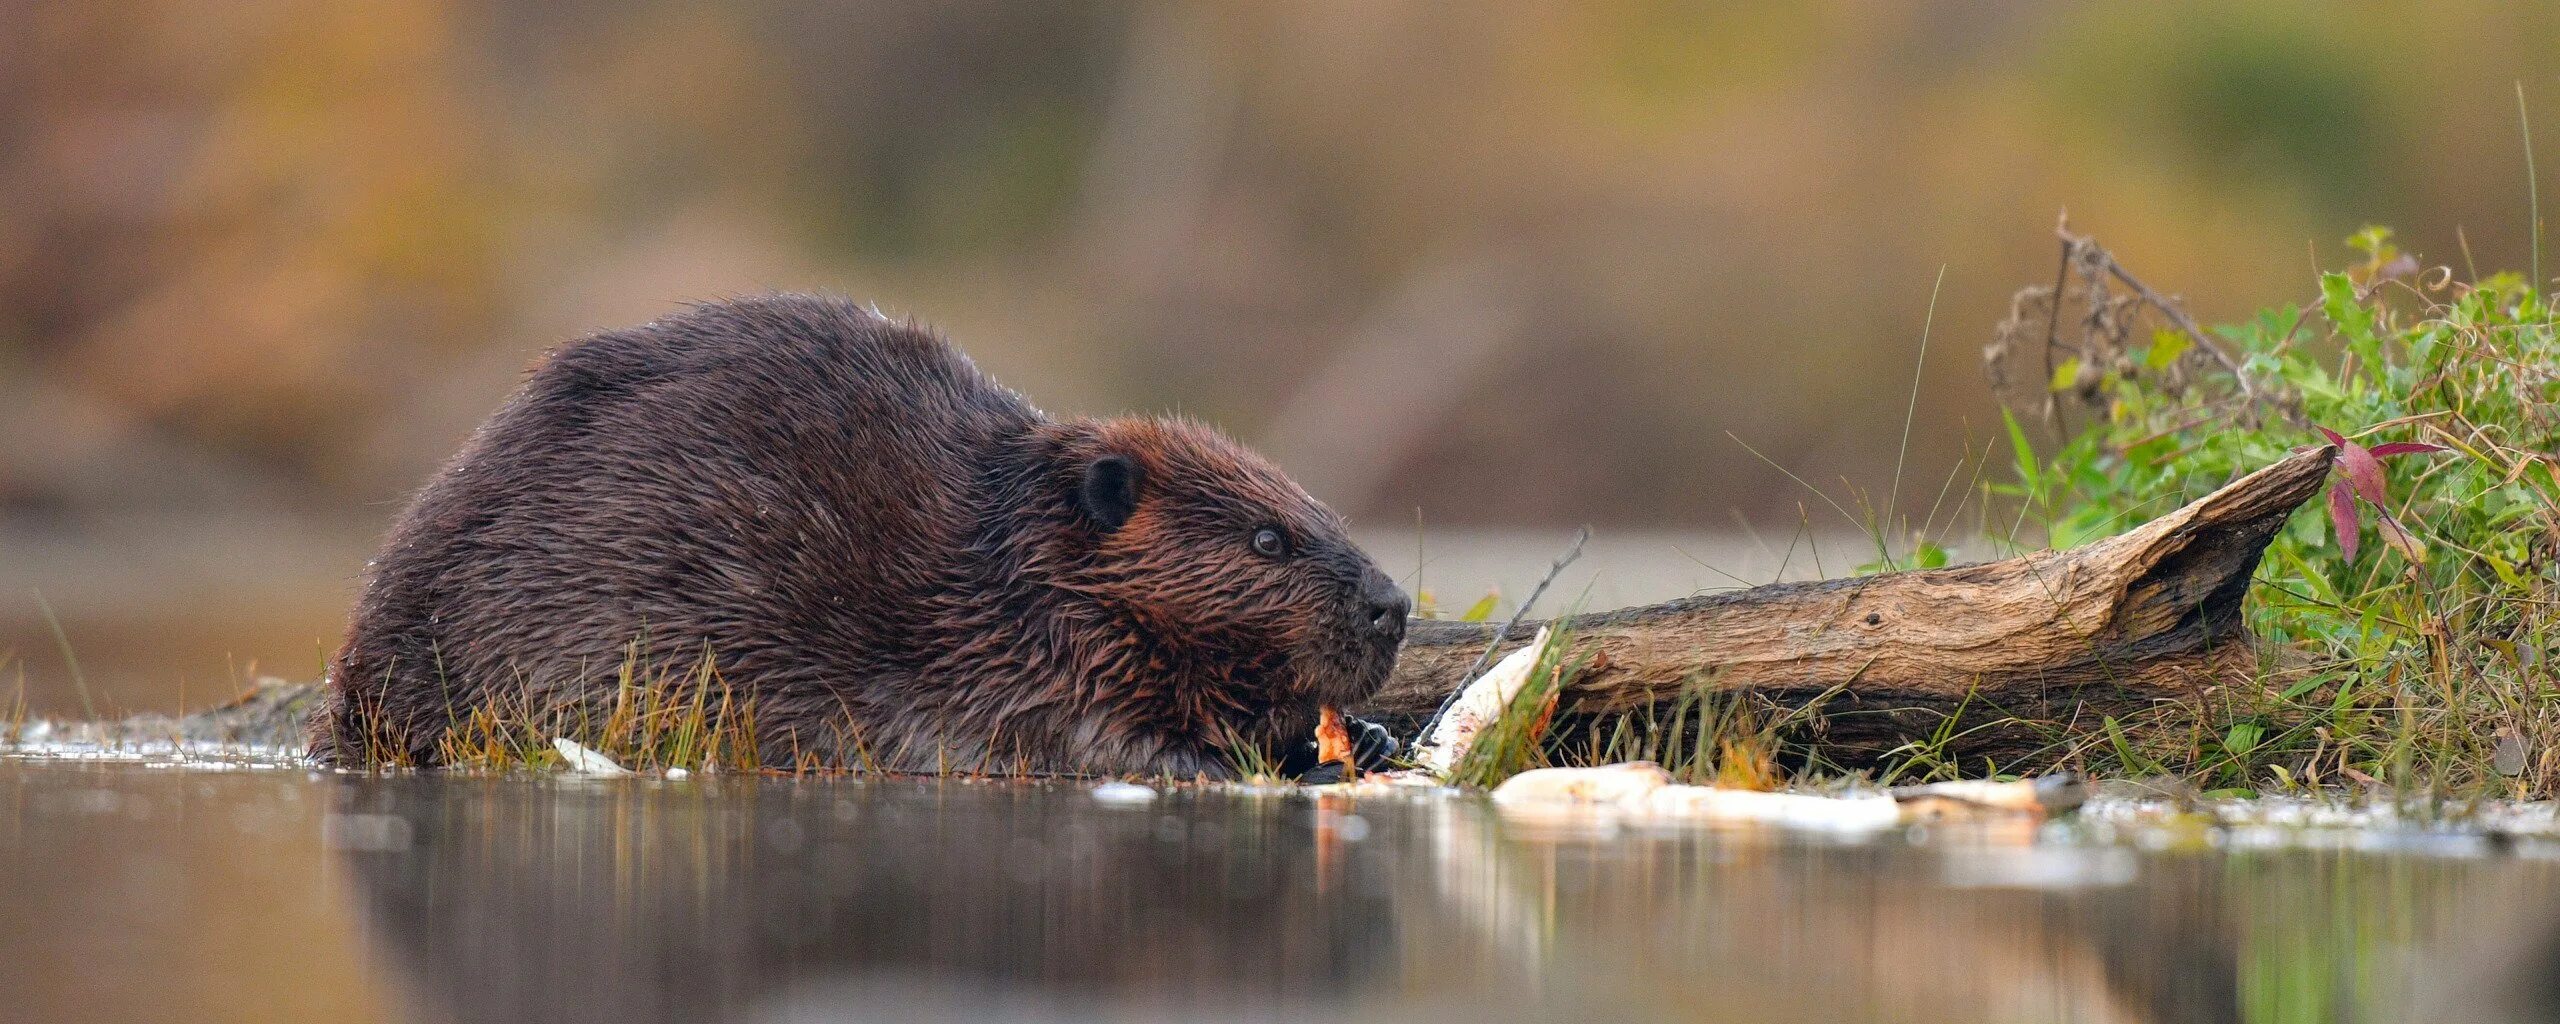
[
  {"x": 2404, "y": 637},
  {"x": 2403, "y": 640}
]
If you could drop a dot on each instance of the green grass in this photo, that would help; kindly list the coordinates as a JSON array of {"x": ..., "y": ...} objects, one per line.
[{"x": 1251, "y": 761}]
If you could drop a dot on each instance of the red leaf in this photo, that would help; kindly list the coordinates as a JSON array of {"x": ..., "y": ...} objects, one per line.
[
  {"x": 2360, "y": 476},
  {"x": 2364, "y": 471},
  {"x": 2342, "y": 516}
]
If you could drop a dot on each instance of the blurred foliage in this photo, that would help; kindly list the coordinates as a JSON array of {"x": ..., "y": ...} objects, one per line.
[
  {"x": 315, "y": 239},
  {"x": 265, "y": 262}
]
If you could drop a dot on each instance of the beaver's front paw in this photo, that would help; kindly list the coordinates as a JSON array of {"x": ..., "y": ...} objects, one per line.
[{"x": 1373, "y": 748}]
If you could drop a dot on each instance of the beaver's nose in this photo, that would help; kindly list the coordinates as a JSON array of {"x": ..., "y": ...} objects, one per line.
[{"x": 1387, "y": 606}]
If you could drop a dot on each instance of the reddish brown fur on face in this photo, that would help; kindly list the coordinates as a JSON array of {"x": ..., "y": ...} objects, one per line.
[{"x": 895, "y": 560}]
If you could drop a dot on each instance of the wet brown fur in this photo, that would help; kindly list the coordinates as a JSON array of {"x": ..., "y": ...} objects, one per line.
[{"x": 894, "y": 560}]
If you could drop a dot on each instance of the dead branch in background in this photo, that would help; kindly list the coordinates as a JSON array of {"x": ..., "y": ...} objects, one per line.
[
  {"x": 2085, "y": 249},
  {"x": 2112, "y": 304}
]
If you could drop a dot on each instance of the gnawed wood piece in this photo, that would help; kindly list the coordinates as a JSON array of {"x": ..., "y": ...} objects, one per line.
[
  {"x": 1480, "y": 702},
  {"x": 2016, "y": 646}
]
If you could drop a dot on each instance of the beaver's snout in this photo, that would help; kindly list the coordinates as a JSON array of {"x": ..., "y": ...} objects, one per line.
[
  {"x": 1360, "y": 635},
  {"x": 1384, "y": 608}
]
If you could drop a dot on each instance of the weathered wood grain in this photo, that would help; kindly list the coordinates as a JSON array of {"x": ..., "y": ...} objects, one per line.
[{"x": 2018, "y": 645}]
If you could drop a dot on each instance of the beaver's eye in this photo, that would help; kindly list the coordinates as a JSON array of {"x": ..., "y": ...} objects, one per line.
[{"x": 1268, "y": 543}]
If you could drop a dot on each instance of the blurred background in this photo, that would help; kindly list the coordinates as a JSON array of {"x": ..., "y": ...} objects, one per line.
[{"x": 1473, "y": 273}]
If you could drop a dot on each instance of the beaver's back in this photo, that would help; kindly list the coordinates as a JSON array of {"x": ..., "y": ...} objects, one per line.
[{"x": 783, "y": 482}]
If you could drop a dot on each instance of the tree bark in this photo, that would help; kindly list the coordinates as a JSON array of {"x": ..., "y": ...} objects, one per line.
[{"x": 2015, "y": 651}]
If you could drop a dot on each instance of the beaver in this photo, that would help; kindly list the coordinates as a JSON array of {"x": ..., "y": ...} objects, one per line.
[{"x": 889, "y": 559}]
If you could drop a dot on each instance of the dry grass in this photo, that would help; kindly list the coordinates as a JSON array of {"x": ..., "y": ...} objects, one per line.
[
  {"x": 686, "y": 717},
  {"x": 1704, "y": 737},
  {"x": 14, "y": 724}
]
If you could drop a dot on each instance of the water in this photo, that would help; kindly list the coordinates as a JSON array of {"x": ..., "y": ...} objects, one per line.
[{"x": 181, "y": 890}]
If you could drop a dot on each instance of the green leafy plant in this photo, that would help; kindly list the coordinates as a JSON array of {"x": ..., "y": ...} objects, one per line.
[{"x": 2427, "y": 670}]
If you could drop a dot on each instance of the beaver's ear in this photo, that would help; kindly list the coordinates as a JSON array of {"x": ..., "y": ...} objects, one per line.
[{"x": 1109, "y": 494}]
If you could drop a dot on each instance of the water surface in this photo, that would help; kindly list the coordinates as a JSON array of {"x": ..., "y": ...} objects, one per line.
[{"x": 194, "y": 890}]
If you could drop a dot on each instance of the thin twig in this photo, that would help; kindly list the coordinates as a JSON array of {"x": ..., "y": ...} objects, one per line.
[
  {"x": 2532, "y": 188},
  {"x": 2053, "y": 315},
  {"x": 1571, "y": 552},
  {"x": 1503, "y": 632},
  {"x": 62, "y": 641}
]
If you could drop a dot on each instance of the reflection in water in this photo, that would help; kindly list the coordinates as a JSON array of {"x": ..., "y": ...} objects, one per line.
[
  {"x": 642, "y": 902},
  {"x": 288, "y": 894}
]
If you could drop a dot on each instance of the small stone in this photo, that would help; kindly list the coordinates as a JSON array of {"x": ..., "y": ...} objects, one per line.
[
  {"x": 2509, "y": 757},
  {"x": 1123, "y": 794}
]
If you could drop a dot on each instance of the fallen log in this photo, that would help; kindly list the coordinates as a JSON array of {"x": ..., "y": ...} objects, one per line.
[{"x": 2013, "y": 649}]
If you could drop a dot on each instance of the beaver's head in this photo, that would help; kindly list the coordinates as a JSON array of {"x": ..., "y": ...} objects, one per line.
[{"x": 1227, "y": 567}]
